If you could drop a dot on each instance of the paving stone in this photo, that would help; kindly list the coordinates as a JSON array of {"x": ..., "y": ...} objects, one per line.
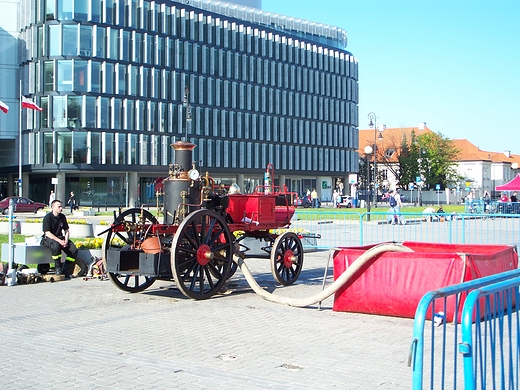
[{"x": 89, "y": 334}]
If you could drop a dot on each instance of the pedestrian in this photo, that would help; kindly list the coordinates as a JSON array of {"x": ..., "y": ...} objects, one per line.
[
  {"x": 314, "y": 198},
  {"x": 469, "y": 199},
  {"x": 395, "y": 207},
  {"x": 56, "y": 236},
  {"x": 72, "y": 202},
  {"x": 52, "y": 196},
  {"x": 335, "y": 197}
]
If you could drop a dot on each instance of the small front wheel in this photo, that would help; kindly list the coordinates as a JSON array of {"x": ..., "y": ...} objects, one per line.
[{"x": 287, "y": 258}]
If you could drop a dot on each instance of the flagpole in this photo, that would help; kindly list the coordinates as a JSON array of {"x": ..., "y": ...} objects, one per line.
[{"x": 20, "y": 192}]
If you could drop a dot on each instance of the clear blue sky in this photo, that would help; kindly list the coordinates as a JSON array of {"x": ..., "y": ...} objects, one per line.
[{"x": 454, "y": 64}]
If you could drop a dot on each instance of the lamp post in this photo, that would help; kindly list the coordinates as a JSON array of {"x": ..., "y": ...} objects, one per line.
[
  {"x": 368, "y": 150},
  {"x": 186, "y": 104},
  {"x": 373, "y": 123}
]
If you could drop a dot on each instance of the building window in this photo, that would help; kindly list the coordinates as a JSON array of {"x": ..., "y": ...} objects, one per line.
[
  {"x": 80, "y": 148},
  {"x": 64, "y": 147},
  {"x": 70, "y": 40},
  {"x": 48, "y": 148},
  {"x": 54, "y": 40}
]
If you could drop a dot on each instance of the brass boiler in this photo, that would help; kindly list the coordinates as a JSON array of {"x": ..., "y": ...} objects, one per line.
[{"x": 181, "y": 194}]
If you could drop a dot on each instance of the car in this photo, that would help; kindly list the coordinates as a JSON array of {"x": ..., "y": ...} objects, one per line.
[
  {"x": 298, "y": 201},
  {"x": 302, "y": 200},
  {"x": 346, "y": 201},
  {"x": 21, "y": 205}
]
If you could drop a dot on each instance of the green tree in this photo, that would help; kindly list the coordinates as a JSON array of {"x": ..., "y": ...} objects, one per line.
[
  {"x": 429, "y": 155},
  {"x": 407, "y": 161},
  {"x": 400, "y": 158},
  {"x": 437, "y": 161}
]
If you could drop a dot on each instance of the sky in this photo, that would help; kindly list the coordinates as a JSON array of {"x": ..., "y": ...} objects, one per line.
[{"x": 454, "y": 64}]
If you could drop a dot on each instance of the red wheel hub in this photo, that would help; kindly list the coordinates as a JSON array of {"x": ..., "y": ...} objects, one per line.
[
  {"x": 204, "y": 254},
  {"x": 288, "y": 258}
]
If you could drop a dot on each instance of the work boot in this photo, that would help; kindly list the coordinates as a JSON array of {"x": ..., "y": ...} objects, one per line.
[
  {"x": 57, "y": 264},
  {"x": 68, "y": 269}
]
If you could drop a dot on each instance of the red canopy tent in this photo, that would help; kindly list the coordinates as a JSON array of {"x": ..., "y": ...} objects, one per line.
[{"x": 513, "y": 185}]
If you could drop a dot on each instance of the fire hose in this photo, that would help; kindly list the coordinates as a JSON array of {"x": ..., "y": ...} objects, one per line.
[{"x": 331, "y": 289}]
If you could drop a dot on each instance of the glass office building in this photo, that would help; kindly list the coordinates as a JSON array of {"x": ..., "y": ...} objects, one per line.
[{"x": 120, "y": 80}]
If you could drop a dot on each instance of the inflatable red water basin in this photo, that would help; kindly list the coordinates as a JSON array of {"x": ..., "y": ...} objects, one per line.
[{"x": 394, "y": 282}]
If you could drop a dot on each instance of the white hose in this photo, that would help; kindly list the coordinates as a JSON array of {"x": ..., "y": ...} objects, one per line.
[{"x": 331, "y": 289}]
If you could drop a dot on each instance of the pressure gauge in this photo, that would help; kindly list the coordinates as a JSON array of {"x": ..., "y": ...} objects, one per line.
[{"x": 193, "y": 174}]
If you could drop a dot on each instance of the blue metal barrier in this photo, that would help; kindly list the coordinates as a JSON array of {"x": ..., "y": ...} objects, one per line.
[
  {"x": 490, "y": 347},
  {"x": 343, "y": 228},
  {"x": 439, "y": 357}
]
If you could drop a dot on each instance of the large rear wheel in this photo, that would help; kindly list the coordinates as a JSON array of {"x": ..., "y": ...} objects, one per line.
[
  {"x": 202, "y": 254},
  {"x": 124, "y": 239}
]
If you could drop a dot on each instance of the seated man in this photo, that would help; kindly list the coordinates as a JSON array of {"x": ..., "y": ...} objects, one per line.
[
  {"x": 428, "y": 213},
  {"x": 56, "y": 237},
  {"x": 441, "y": 214}
]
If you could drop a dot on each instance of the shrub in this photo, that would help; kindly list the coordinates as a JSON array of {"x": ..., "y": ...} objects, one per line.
[
  {"x": 78, "y": 222},
  {"x": 34, "y": 220},
  {"x": 89, "y": 243}
]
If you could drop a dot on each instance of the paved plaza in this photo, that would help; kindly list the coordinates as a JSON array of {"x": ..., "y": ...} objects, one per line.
[{"x": 91, "y": 335}]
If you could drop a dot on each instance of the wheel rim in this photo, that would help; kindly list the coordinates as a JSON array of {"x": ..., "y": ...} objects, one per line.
[
  {"x": 124, "y": 240},
  {"x": 287, "y": 258},
  {"x": 202, "y": 254}
]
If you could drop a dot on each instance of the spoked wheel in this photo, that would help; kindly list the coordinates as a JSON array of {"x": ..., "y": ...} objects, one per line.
[
  {"x": 124, "y": 240},
  {"x": 202, "y": 254},
  {"x": 287, "y": 258}
]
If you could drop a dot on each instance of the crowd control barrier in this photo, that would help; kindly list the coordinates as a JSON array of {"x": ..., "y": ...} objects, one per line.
[
  {"x": 346, "y": 228},
  {"x": 478, "y": 347}
]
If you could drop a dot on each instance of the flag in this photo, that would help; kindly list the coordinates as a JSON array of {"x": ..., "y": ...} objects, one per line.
[
  {"x": 26, "y": 103},
  {"x": 4, "y": 107}
]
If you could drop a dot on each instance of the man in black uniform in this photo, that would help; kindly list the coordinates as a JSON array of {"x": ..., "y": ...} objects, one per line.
[{"x": 56, "y": 237}]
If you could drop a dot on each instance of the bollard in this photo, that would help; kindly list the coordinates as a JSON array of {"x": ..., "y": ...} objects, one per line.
[{"x": 11, "y": 273}]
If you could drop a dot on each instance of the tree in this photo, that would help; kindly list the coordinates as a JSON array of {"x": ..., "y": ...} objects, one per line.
[
  {"x": 437, "y": 161},
  {"x": 429, "y": 155},
  {"x": 400, "y": 158},
  {"x": 407, "y": 159}
]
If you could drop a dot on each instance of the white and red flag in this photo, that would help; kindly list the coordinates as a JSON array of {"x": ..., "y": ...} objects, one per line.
[
  {"x": 4, "y": 107},
  {"x": 26, "y": 103}
]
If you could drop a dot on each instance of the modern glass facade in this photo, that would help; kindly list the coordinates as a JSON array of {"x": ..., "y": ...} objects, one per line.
[{"x": 120, "y": 80}]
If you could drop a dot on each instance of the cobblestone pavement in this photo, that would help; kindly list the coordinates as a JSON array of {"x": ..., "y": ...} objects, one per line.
[{"x": 91, "y": 335}]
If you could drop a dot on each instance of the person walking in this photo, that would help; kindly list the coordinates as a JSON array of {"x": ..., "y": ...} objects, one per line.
[
  {"x": 395, "y": 204},
  {"x": 314, "y": 198},
  {"x": 56, "y": 236},
  {"x": 72, "y": 202},
  {"x": 52, "y": 197},
  {"x": 336, "y": 199}
]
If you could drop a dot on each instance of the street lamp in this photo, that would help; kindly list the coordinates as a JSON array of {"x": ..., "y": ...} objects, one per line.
[
  {"x": 368, "y": 150},
  {"x": 373, "y": 123},
  {"x": 186, "y": 104}
]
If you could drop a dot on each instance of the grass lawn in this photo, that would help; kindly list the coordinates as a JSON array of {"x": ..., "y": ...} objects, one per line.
[{"x": 381, "y": 209}]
